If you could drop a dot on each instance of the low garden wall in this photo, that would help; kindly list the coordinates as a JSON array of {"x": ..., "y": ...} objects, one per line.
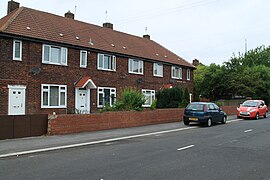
[
  {"x": 230, "y": 110},
  {"x": 76, "y": 123},
  {"x": 65, "y": 124}
]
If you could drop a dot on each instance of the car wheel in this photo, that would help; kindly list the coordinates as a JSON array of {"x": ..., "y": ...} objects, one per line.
[
  {"x": 257, "y": 116},
  {"x": 266, "y": 114},
  {"x": 209, "y": 122},
  {"x": 186, "y": 123},
  {"x": 224, "y": 120}
]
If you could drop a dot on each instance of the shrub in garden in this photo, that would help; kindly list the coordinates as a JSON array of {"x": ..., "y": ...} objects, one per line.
[
  {"x": 130, "y": 99},
  {"x": 169, "y": 98}
]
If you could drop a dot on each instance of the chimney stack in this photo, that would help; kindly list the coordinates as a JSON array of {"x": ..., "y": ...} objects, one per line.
[
  {"x": 69, "y": 15},
  {"x": 108, "y": 25},
  {"x": 146, "y": 36},
  {"x": 12, "y": 5}
]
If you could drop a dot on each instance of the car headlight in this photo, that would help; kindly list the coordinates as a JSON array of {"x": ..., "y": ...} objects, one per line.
[
  {"x": 253, "y": 110},
  {"x": 238, "y": 109}
]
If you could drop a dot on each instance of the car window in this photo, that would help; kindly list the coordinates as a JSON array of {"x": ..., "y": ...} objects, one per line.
[
  {"x": 250, "y": 104},
  {"x": 211, "y": 107},
  {"x": 195, "y": 107},
  {"x": 216, "y": 107},
  {"x": 262, "y": 103}
]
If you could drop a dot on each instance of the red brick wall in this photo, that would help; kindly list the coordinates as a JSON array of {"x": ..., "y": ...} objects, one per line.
[
  {"x": 19, "y": 73},
  {"x": 65, "y": 124},
  {"x": 230, "y": 110}
]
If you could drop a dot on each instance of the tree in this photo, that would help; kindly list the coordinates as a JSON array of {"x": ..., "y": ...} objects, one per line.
[
  {"x": 185, "y": 99},
  {"x": 245, "y": 75}
]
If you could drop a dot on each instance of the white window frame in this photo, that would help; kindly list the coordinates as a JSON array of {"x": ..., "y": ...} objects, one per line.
[
  {"x": 112, "y": 59},
  {"x": 14, "y": 52},
  {"x": 63, "y": 55},
  {"x": 48, "y": 91},
  {"x": 179, "y": 74},
  {"x": 81, "y": 60},
  {"x": 152, "y": 94},
  {"x": 155, "y": 66},
  {"x": 100, "y": 90},
  {"x": 131, "y": 66},
  {"x": 188, "y": 74}
]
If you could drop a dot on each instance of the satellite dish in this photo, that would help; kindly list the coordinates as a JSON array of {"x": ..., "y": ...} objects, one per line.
[
  {"x": 139, "y": 80},
  {"x": 36, "y": 70}
]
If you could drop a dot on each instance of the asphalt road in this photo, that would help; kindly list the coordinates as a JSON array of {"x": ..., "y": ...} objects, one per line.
[{"x": 238, "y": 150}]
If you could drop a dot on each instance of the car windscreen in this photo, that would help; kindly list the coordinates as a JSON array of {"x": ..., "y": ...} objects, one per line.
[
  {"x": 195, "y": 107},
  {"x": 250, "y": 104}
]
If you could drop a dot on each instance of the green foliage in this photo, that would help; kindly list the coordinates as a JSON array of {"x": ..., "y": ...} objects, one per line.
[
  {"x": 185, "y": 99},
  {"x": 130, "y": 99},
  {"x": 246, "y": 75},
  {"x": 154, "y": 105},
  {"x": 106, "y": 108},
  {"x": 169, "y": 98},
  {"x": 219, "y": 103}
]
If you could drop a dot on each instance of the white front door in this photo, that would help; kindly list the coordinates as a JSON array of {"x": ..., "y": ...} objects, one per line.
[
  {"x": 16, "y": 105},
  {"x": 82, "y": 101}
]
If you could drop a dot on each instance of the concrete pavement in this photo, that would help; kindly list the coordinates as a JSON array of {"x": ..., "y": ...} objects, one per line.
[{"x": 14, "y": 147}]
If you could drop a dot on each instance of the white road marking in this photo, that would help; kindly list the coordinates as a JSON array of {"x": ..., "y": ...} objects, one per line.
[
  {"x": 235, "y": 120},
  {"x": 90, "y": 143},
  {"x": 97, "y": 142},
  {"x": 249, "y": 130},
  {"x": 187, "y": 147}
]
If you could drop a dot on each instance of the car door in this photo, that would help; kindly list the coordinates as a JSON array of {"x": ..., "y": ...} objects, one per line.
[
  {"x": 262, "y": 108},
  {"x": 219, "y": 113},
  {"x": 213, "y": 112}
]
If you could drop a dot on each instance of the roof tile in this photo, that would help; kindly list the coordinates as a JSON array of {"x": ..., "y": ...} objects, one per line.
[{"x": 42, "y": 25}]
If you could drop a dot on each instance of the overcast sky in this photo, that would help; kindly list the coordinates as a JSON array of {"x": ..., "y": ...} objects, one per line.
[{"x": 209, "y": 30}]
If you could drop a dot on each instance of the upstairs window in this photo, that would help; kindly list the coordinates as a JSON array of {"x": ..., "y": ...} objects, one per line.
[
  {"x": 188, "y": 74},
  {"x": 149, "y": 97},
  {"x": 106, "y": 95},
  {"x": 135, "y": 66},
  {"x": 176, "y": 72},
  {"x": 54, "y": 55},
  {"x": 83, "y": 59},
  {"x": 158, "y": 70},
  {"x": 106, "y": 62},
  {"x": 17, "y": 50}
]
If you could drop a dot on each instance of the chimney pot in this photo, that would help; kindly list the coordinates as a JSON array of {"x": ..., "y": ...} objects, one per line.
[
  {"x": 146, "y": 36},
  {"x": 69, "y": 15},
  {"x": 108, "y": 25},
  {"x": 12, "y": 5}
]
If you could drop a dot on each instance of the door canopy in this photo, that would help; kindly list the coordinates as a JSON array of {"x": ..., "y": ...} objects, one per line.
[{"x": 85, "y": 82}]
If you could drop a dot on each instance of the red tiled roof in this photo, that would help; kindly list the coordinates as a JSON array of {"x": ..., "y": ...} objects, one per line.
[
  {"x": 41, "y": 25},
  {"x": 167, "y": 86},
  {"x": 84, "y": 81}
]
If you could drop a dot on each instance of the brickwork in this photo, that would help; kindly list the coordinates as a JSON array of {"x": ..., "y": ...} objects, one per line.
[
  {"x": 230, "y": 110},
  {"x": 20, "y": 73},
  {"x": 66, "y": 124}
]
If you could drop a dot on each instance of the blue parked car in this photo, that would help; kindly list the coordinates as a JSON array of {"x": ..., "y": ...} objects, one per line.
[{"x": 204, "y": 113}]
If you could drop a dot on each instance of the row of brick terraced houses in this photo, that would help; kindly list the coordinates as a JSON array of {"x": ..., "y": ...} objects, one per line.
[{"x": 58, "y": 64}]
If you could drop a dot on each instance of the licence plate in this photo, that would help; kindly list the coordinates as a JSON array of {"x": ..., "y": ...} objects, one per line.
[{"x": 193, "y": 119}]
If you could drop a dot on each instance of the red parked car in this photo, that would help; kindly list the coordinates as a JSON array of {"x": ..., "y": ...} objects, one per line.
[{"x": 252, "y": 109}]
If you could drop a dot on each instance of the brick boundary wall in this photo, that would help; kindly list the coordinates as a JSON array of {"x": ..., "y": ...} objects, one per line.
[
  {"x": 230, "y": 110},
  {"x": 75, "y": 123}
]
